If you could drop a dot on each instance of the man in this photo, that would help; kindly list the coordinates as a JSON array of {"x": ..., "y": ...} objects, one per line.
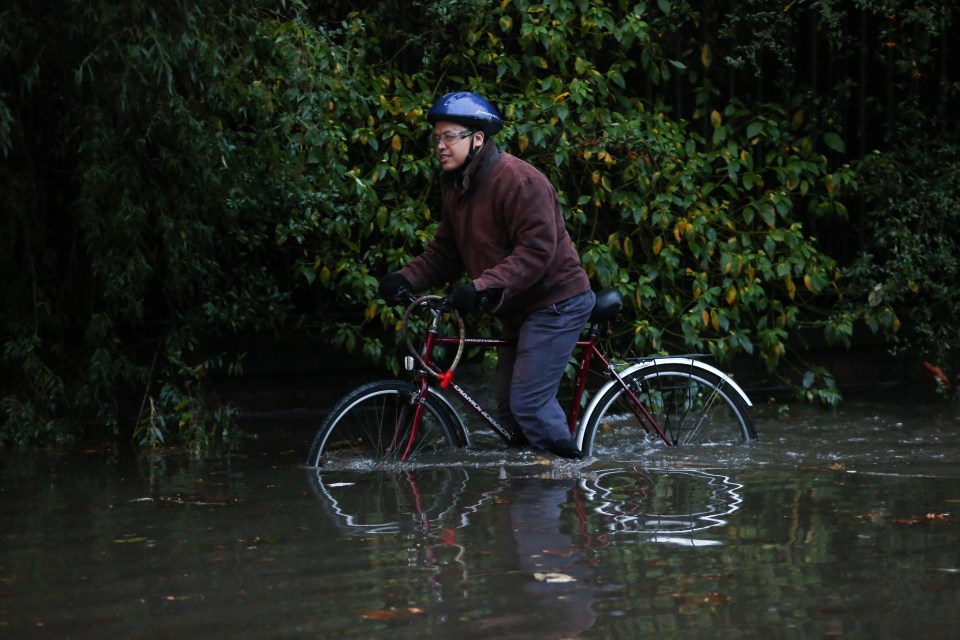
[{"x": 503, "y": 224}]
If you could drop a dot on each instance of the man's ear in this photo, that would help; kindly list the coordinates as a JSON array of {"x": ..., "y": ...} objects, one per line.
[{"x": 478, "y": 139}]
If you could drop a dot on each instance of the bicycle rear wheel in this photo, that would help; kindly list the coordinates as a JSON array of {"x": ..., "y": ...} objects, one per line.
[
  {"x": 691, "y": 405},
  {"x": 372, "y": 424}
]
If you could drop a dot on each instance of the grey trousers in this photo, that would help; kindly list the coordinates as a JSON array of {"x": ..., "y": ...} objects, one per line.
[{"x": 529, "y": 375}]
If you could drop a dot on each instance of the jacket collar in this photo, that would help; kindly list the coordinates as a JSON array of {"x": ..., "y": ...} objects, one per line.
[{"x": 461, "y": 179}]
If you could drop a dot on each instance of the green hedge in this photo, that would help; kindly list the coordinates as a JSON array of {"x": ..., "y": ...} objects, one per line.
[{"x": 178, "y": 172}]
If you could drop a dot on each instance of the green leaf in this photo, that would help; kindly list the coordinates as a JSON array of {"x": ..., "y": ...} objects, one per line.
[{"x": 834, "y": 141}]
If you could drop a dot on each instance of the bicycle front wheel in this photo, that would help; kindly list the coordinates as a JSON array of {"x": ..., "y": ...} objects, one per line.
[
  {"x": 372, "y": 424},
  {"x": 690, "y": 405}
]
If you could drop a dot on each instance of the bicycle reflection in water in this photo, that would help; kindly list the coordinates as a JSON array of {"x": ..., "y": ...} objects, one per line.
[{"x": 555, "y": 524}]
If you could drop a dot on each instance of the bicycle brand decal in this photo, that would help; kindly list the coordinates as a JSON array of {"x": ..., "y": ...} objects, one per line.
[{"x": 465, "y": 397}]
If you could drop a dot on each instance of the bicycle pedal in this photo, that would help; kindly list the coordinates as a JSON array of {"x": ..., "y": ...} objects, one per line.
[{"x": 408, "y": 363}]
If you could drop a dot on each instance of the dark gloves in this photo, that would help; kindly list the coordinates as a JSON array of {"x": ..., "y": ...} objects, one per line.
[
  {"x": 395, "y": 288},
  {"x": 466, "y": 299}
]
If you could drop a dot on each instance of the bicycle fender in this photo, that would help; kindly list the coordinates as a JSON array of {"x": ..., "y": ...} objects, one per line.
[
  {"x": 686, "y": 362},
  {"x": 696, "y": 364},
  {"x": 436, "y": 395}
]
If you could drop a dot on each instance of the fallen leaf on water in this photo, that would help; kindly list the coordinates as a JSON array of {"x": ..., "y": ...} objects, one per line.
[
  {"x": 906, "y": 520},
  {"x": 389, "y": 614},
  {"x": 131, "y": 537},
  {"x": 717, "y": 598},
  {"x": 553, "y": 576},
  {"x": 938, "y": 374},
  {"x": 919, "y": 520}
]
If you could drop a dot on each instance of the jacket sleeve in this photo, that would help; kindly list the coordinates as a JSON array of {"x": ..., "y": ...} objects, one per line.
[{"x": 439, "y": 263}]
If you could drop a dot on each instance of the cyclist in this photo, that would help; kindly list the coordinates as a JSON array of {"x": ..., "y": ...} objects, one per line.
[{"x": 502, "y": 223}]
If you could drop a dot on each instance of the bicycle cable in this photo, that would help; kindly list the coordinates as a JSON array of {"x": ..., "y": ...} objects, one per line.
[{"x": 425, "y": 301}]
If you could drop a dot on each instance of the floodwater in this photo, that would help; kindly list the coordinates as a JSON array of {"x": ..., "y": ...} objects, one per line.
[{"x": 836, "y": 524}]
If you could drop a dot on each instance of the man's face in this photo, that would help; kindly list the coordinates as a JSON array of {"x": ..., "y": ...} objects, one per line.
[{"x": 453, "y": 152}]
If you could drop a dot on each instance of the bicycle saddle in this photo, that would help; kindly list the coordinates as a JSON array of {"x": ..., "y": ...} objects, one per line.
[{"x": 607, "y": 307}]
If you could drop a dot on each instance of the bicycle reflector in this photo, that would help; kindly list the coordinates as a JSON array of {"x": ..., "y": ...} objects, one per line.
[{"x": 446, "y": 378}]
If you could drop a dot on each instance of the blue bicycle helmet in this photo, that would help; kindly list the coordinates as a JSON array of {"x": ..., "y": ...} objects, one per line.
[{"x": 467, "y": 109}]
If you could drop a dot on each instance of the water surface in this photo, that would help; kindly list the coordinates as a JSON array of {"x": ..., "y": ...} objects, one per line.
[{"x": 835, "y": 524}]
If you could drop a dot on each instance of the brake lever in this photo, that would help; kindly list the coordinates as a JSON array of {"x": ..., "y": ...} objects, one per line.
[
  {"x": 444, "y": 305},
  {"x": 403, "y": 294}
]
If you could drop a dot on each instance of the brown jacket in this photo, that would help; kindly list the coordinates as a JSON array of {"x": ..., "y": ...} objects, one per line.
[{"x": 502, "y": 222}]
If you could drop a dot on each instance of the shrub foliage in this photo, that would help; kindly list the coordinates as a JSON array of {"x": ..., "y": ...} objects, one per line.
[{"x": 176, "y": 172}]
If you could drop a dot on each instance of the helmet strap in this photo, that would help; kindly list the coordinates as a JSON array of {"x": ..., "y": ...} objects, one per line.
[{"x": 474, "y": 150}]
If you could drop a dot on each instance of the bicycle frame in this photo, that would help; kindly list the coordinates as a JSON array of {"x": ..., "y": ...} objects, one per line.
[{"x": 591, "y": 353}]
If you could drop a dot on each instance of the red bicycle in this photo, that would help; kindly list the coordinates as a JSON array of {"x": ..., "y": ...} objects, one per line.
[{"x": 673, "y": 400}]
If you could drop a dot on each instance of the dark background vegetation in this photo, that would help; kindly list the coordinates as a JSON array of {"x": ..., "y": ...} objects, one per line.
[{"x": 177, "y": 175}]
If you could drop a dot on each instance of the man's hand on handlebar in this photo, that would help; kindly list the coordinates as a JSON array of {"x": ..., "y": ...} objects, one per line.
[
  {"x": 395, "y": 288},
  {"x": 466, "y": 299}
]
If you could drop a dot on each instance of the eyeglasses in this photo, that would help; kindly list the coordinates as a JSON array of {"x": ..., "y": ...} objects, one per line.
[{"x": 450, "y": 138}]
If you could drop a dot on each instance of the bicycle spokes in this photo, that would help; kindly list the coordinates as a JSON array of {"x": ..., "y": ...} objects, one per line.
[
  {"x": 680, "y": 404},
  {"x": 375, "y": 424}
]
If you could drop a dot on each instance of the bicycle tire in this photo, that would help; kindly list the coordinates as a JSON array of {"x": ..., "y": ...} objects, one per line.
[
  {"x": 371, "y": 425},
  {"x": 691, "y": 405}
]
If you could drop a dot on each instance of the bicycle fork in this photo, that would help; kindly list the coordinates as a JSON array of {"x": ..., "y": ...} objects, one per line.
[{"x": 419, "y": 401}]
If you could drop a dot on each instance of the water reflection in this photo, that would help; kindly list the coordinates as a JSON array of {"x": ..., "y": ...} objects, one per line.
[
  {"x": 657, "y": 505},
  {"x": 664, "y": 506},
  {"x": 554, "y": 523}
]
